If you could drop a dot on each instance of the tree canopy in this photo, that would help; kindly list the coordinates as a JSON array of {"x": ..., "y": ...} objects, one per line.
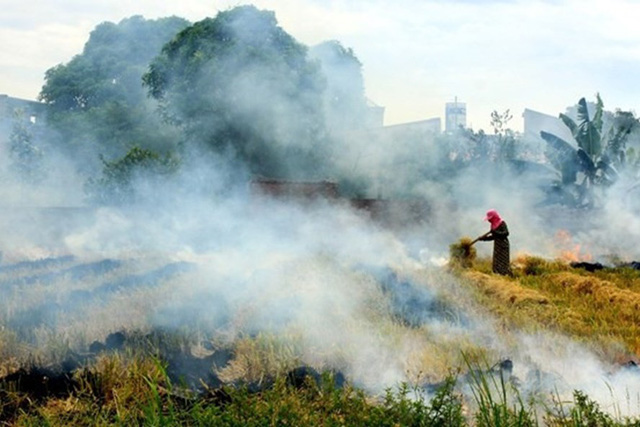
[
  {"x": 97, "y": 101},
  {"x": 239, "y": 84},
  {"x": 110, "y": 66}
]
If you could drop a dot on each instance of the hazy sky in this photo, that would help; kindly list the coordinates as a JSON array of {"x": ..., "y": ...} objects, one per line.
[{"x": 416, "y": 54}]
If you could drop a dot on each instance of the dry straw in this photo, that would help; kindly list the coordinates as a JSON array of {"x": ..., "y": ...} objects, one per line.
[{"x": 462, "y": 253}]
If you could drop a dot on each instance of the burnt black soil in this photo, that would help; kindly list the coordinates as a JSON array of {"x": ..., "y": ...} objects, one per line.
[
  {"x": 186, "y": 371},
  {"x": 34, "y": 382}
]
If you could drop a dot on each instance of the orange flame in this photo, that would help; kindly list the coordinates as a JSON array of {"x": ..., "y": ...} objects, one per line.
[{"x": 569, "y": 251}]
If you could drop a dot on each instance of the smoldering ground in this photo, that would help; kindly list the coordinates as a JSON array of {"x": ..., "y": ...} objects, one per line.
[
  {"x": 345, "y": 293},
  {"x": 341, "y": 291},
  {"x": 202, "y": 255},
  {"x": 207, "y": 256}
]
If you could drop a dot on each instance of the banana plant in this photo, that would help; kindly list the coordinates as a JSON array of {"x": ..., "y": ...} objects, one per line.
[{"x": 590, "y": 163}]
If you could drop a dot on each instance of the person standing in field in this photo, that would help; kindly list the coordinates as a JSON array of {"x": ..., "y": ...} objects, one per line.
[{"x": 499, "y": 234}]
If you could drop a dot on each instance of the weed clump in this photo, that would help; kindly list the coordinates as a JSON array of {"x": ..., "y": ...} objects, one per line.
[{"x": 462, "y": 254}]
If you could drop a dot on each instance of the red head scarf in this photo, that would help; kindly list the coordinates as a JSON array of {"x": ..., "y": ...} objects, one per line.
[{"x": 493, "y": 218}]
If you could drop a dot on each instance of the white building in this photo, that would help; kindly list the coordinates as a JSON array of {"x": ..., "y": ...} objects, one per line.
[
  {"x": 421, "y": 128},
  {"x": 13, "y": 109},
  {"x": 455, "y": 115},
  {"x": 534, "y": 122},
  {"x": 375, "y": 115}
]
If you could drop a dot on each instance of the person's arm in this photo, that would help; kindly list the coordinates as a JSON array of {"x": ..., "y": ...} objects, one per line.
[{"x": 488, "y": 237}]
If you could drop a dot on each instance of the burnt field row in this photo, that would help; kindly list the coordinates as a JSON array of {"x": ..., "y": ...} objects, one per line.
[{"x": 42, "y": 294}]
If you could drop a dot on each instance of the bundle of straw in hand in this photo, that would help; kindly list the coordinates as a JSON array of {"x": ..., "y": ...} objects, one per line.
[{"x": 462, "y": 253}]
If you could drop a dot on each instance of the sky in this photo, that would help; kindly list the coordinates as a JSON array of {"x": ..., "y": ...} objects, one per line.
[{"x": 416, "y": 55}]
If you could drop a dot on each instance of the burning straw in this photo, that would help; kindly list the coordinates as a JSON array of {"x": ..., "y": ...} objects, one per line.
[{"x": 462, "y": 253}]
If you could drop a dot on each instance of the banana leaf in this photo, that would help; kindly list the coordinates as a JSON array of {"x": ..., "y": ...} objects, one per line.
[
  {"x": 560, "y": 145},
  {"x": 568, "y": 121},
  {"x": 583, "y": 111},
  {"x": 610, "y": 173},
  {"x": 566, "y": 157},
  {"x": 586, "y": 164},
  {"x": 597, "y": 117},
  {"x": 588, "y": 135}
]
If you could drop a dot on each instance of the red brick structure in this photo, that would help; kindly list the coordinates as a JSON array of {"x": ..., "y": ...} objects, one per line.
[
  {"x": 295, "y": 190},
  {"x": 393, "y": 212},
  {"x": 387, "y": 212}
]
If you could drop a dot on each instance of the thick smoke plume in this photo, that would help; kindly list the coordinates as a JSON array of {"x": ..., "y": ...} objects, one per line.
[{"x": 205, "y": 254}]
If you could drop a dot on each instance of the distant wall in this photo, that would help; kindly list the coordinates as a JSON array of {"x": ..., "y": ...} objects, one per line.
[
  {"x": 294, "y": 190},
  {"x": 34, "y": 112},
  {"x": 421, "y": 128},
  {"x": 393, "y": 213}
]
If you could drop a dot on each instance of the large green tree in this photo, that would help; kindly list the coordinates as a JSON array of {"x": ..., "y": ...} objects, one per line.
[
  {"x": 239, "y": 84},
  {"x": 96, "y": 100}
]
